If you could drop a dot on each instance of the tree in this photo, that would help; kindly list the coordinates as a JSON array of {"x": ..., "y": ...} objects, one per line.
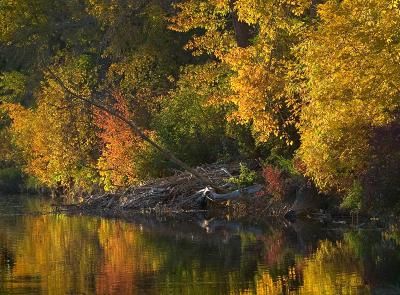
[
  {"x": 112, "y": 45},
  {"x": 192, "y": 121},
  {"x": 58, "y": 136},
  {"x": 354, "y": 93},
  {"x": 120, "y": 163},
  {"x": 266, "y": 76}
]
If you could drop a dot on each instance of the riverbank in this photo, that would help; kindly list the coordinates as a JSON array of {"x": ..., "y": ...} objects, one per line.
[
  {"x": 183, "y": 192},
  {"x": 185, "y": 196}
]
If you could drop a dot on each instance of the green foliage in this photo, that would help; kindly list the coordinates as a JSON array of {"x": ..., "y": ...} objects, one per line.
[
  {"x": 150, "y": 164},
  {"x": 190, "y": 123},
  {"x": 13, "y": 87},
  {"x": 284, "y": 164},
  {"x": 11, "y": 180},
  {"x": 246, "y": 177},
  {"x": 244, "y": 140},
  {"x": 257, "y": 85},
  {"x": 353, "y": 198}
]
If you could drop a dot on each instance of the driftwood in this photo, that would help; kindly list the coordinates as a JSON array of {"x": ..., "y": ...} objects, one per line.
[{"x": 210, "y": 193}]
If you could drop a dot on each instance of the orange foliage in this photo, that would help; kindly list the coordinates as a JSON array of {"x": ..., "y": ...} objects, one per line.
[{"x": 121, "y": 147}]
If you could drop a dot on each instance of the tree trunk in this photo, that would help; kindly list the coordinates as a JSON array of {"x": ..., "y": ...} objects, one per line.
[
  {"x": 242, "y": 30},
  {"x": 313, "y": 8}
]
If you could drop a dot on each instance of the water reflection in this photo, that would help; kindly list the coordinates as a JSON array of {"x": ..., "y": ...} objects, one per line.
[{"x": 59, "y": 254}]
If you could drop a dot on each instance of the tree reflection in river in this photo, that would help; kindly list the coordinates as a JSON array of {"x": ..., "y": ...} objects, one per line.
[
  {"x": 129, "y": 260},
  {"x": 60, "y": 254}
]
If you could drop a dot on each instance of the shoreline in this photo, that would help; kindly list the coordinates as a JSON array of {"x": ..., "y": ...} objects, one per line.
[{"x": 183, "y": 193}]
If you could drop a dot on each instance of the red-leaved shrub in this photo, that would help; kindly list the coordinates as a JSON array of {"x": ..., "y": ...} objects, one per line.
[{"x": 274, "y": 180}]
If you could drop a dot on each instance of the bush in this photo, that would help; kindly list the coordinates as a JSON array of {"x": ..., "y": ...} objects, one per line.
[
  {"x": 282, "y": 175},
  {"x": 275, "y": 181},
  {"x": 246, "y": 177},
  {"x": 10, "y": 180},
  {"x": 381, "y": 181},
  {"x": 353, "y": 199},
  {"x": 189, "y": 124}
]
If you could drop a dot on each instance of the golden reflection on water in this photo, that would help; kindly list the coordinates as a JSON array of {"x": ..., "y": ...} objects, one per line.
[
  {"x": 59, "y": 254},
  {"x": 127, "y": 256}
]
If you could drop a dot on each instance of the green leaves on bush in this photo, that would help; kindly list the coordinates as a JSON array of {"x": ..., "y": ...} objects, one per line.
[{"x": 246, "y": 177}]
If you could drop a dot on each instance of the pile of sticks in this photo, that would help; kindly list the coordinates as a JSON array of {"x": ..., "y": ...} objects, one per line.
[{"x": 181, "y": 191}]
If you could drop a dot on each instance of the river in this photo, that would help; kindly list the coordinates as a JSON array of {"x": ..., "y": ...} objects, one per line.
[{"x": 46, "y": 253}]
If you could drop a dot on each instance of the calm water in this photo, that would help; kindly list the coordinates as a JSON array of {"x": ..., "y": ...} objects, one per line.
[{"x": 59, "y": 254}]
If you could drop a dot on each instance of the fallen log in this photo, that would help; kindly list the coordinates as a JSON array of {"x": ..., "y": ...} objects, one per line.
[{"x": 210, "y": 193}]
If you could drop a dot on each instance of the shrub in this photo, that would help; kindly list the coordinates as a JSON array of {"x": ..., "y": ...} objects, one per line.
[
  {"x": 191, "y": 123},
  {"x": 274, "y": 180},
  {"x": 282, "y": 175},
  {"x": 10, "y": 180},
  {"x": 246, "y": 177},
  {"x": 353, "y": 199},
  {"x": 381, "y": 181}
]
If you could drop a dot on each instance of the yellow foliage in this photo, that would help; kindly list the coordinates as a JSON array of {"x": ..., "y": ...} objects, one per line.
[
  {"x": 57, "y": 138},
  {"x": 263, "y": 71},
  {"x": 353, "y": 68}
]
